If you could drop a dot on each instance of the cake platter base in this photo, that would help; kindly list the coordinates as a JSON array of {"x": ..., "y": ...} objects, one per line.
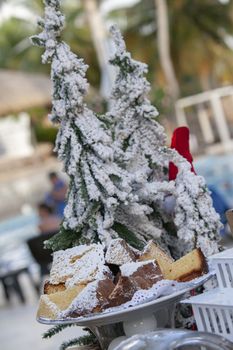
[{"x": 110, "y": 325}]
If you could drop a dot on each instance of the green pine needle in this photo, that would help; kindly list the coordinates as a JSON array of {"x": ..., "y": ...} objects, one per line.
[
  {"x": 62, "y": 240},
  {"x": 128, "y": 235},
  {"x": 89, "y": 339},
  {"x": 55, "y": 330}
]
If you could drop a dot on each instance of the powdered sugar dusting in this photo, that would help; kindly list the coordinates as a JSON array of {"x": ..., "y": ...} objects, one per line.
[
  {"x": 52, "y": 306},
  {"x": 129, "y": 268},
  {"x": 159, "y": 289},
  {"x": 84, "y": 302},
  {"x": 119, "y": 252},
  {"x": 87, "y": 300},
  {"x": 79, "y": 265}
]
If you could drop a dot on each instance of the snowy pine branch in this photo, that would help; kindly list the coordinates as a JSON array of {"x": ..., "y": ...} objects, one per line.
[
  {"x": 89, "y": 339},
  {"x": 140, "y": 145},
  {"x": 97, "y": 184},
  {"x": 52, "y": 25},
  {"x": 55, "y": 330}
]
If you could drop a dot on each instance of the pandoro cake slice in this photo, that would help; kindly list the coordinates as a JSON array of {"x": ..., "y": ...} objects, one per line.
[
  {"x": 53, "y": 288},
  {"x": 51, "y": 305},
  {"x": 153, "y": 252},
  {"x": 119, "y": 252},
  {"x": 144, "y": 273},
  {"x": 77, "y": 265},
  {"x": 93, "y": 298},
  {"x": 190, "y": 266}
]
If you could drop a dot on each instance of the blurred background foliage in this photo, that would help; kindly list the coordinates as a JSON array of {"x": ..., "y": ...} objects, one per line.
[
  {"x": 201, "y": 42},
  {"x": 200, "y": 31}
]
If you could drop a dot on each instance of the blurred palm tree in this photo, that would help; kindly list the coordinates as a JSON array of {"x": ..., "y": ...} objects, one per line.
[
  {"x": 198, "y": 33},
  {"x": 17, "y": 51},
  {"x": 199, "y": 30},
  {"x": 163, "y": 36},
  {"x": 100, "y": 41}
]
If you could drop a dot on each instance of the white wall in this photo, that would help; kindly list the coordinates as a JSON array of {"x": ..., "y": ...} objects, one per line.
[{"x": 15, "y": 136}]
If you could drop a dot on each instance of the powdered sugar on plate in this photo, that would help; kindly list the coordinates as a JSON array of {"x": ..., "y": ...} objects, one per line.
[{"x": 160, "y": 289}]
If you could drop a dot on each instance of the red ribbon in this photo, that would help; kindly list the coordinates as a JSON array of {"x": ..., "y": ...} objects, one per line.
[{"x": 180, "y": 142}]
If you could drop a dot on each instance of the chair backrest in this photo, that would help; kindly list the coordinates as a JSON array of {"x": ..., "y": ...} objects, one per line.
[{"x": 36, "y": 246}]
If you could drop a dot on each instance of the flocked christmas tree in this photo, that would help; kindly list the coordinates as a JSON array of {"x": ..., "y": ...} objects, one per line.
[
  {"x": 97, "y": 184},
  {"x": 138, "y": 137},
  {"x": 121, "y": 187},
  {"x": 140, "y": 146}
]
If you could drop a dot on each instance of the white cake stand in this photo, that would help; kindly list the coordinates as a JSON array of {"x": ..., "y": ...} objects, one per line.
[{"x": 137, "y": 319}]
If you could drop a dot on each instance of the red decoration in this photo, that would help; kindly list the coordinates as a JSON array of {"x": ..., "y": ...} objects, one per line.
[{"x": 180, "y": 142}]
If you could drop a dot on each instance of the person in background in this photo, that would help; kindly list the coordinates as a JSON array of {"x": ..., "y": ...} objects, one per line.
[
  {"x": 49, "y": 222},
  {"x": 220, "y": 206},
  {"x": 56, "y": 197}
]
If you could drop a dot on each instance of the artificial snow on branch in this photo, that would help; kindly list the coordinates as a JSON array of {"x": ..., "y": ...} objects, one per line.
[
  {"x": 138, "y": 136},
  {"x": 140, "y": 146},
  {"x": 97, "y": 184}
]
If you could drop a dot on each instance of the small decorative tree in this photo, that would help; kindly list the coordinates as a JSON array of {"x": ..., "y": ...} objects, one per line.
[
  {"x": 140, "y": 147},
  {"x": 97, "y": 184},
  {"x": 138, "y": 136}
]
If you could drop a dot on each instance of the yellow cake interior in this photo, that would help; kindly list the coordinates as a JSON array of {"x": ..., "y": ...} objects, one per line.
[{"x": 51, "y": 304}]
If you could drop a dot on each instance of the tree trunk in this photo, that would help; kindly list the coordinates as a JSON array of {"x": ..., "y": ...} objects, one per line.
[
  {"x": 164, "y": 48},
  {"x": 99, "y": 38}
]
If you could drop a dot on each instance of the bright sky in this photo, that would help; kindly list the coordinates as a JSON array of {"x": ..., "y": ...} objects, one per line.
[
  {"x": 15, "y": 8},
  {"x": 109, "y": 5}
]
